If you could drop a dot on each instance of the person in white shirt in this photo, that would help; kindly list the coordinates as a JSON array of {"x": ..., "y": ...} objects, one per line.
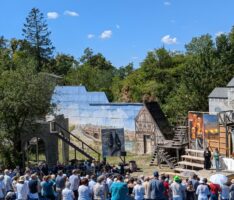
[
  {"x": 74, "y": 179},
  {"x": 2, "y": 187},
  {"x": 138, "y": 190},
  {"x": 84, "y": 191},
  {"x": 202, "y": 190},
  {"x": 67, "y": 193},
  {"x": 7, "y": 181},
  {"x": 146, "y": 185},
  {"x": 99, "y": 190},
  {"x": 92, "y": 183},
  {"x": 109, "y": 181},
  {"x": 21, "y": 189}
]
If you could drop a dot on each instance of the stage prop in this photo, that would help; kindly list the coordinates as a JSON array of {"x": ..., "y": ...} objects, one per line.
[
  {"x": 204, "y": 131},
  {"x": 112, "y": 142},
  {"x": 196, "y": 130},
  {"x": 213, "y": 131}
]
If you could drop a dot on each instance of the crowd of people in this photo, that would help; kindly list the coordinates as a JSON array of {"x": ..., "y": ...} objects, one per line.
[{"x": 105, "y": 182}]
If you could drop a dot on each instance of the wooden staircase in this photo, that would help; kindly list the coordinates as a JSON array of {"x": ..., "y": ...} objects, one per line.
[
  {"x": 76, "y": 143},
  {"x": 180, "y": 136},
  {"x": 180, "y": 140},
  {"x": 163, "y": 157},
  {"x": 192, "y": 161}
]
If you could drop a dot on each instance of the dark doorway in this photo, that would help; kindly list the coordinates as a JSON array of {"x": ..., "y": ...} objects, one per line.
[
  {"x": 146, "y": 142},
  {"x": 35, "y": 151}
]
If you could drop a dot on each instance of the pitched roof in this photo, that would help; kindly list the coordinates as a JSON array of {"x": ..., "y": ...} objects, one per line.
[
  {"x": 231, "y": 83},
  {"x": 219, "y": 93},
  {"x": 160, "y": 119}
]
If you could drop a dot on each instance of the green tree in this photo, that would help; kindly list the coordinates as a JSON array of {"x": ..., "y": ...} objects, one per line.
[
  {"x": 5, "y": 55},
  {"x": 36, "y": 32},
  {"x": 94, "y": 72},
  {"x": 95, "y": 60},
  {"x": 24, "y": 96},
  {"x": 62, "y": 63}
]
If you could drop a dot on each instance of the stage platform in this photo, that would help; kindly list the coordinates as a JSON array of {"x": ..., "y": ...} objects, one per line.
[{"x": 206, "y": 173}]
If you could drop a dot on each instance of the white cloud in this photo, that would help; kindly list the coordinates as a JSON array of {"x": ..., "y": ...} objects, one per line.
[
  {"x": 219, "y": 33},
  {"x": 52, "y": 15},
  {"x": 167, "y": 39},
  {"x": 117, "y": 26},
  {"x": 167, "y": 3},
  {"x": 106, "y": 34},
  {"x": 71, "y": 13},
  {"x": 90, "y": 36}
]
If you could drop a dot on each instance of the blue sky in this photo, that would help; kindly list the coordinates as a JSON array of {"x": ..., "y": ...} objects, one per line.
[{"x": 122, "y": 30}]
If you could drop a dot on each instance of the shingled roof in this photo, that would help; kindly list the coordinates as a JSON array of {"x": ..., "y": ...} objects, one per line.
[
  {"x": 160, "y": 119},
  {"x": 219, "y": 93}
]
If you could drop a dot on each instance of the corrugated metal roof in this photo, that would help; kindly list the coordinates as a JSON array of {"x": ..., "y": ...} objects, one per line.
[
  {"x": 231, "y": 83},
  {"x": 219, "y": 93}
]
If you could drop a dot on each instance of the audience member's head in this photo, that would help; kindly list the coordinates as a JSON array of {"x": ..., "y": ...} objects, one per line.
[
  {"x": 163, "y": 177},
  {"x": 100, "y": 179},
  {"x": 84, "y": 181},
  {"x": 21, "y": 179},
  {"x": 68, "y": 185},
  {"x": 119, "y": 178},
  {"x": 177, "y": 179},
  {"x": 6, "y": 172},
  {"x": 156, "y": 175},
  {"x": 60, "y": 172},
  {"x": 147, "y": 178},
  {"x": 92, "y": 177}
]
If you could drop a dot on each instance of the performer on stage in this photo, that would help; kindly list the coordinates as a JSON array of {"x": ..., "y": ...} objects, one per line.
[
  {"x": 216, "y": 158},
  {"x": 207, "y": 157}
]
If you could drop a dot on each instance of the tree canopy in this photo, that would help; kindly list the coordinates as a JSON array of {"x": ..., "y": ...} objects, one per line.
[{"x": 35, "y": 31}]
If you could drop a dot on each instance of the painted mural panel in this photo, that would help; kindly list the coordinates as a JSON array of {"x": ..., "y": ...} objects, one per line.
[
  {"x": 112, "y": 142},
  {"x": 211, "y": 126},
  {"x": 196, "y": 128},
  {"x": 204, "y": 130},
  {"x": 83, "y": 108}
]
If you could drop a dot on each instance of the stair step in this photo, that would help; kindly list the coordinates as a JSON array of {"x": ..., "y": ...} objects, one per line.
[
  {"x": 179, "y": 169},
  {"x": 191, "y": 164}
]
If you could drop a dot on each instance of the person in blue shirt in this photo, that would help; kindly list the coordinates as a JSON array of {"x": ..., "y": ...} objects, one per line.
[
  {"x": 157, "y": 188},
  {"x": 119, "y": 190},
  {"x": 47, "y": 187}
]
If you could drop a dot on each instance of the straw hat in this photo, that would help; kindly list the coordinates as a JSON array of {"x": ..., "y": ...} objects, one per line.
[{"x": 21, "y": 179}]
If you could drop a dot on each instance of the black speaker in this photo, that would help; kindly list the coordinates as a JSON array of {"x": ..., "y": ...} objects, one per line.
[{"x": 123, "y": 153}]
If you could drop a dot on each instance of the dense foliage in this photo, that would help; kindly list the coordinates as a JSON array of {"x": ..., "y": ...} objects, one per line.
[{"x": 178, "y": 81}]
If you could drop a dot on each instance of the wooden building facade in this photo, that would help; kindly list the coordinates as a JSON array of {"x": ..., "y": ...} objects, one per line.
[{"x": 152, "y": 128}]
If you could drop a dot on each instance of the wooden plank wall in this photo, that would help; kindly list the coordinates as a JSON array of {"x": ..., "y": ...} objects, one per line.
[{"x": 219, "y": 142}]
